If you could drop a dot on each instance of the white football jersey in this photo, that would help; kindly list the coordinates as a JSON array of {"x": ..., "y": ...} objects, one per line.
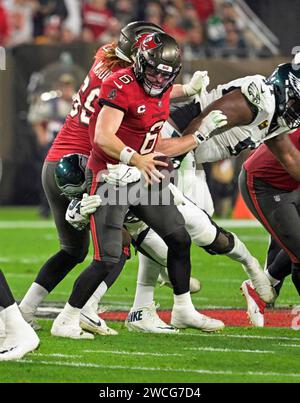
[{"x": 233, "y": 141}]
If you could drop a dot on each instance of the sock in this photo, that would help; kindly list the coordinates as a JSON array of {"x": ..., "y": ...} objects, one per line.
[
  {"x": 273, "y": 280},
  {"x": 88, "y": 281},
  {"x": 183, "y": 300},
  {"x": 143, "y": 296},
  {"x": 147, "y": 277},
  {"x": 241, "y": 254},
  {"x": 110, "y": 278},
  {"x": 94, "y": 300},
  {"x": 32, "y": 299}
]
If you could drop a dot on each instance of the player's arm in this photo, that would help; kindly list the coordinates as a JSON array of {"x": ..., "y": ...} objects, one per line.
[
  {"x": 108, "y": 122},
  {"x": 107, "y": 125},
  {"x": 285, "y": 151},
  {"x": 234, "y": 106}
]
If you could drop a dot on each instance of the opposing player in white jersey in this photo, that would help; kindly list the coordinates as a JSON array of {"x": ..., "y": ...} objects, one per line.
[{"x": 256, "y": 104}]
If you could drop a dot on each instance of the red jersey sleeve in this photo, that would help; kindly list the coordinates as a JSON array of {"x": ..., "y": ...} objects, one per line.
[{"x": 115, "y": 94}]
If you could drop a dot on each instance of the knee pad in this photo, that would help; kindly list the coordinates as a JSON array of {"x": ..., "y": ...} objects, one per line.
[{"x": 223, "y": 243}]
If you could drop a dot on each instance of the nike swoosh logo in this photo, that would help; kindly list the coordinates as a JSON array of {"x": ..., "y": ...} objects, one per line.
[
  {"x": 7, "y": 351},
  {"x": 118, "y": 85},
  {"x": 72, "y": 216},
  {"x": 91, "y": 320}
]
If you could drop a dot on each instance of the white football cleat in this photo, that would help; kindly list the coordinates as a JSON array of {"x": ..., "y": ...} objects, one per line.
[
  {"x": 195, "y": 285},
  {"x": 183, "y": 317},
  {"x": 90, "y": 321},
  {"x": 262, "y": 284},
  {"x": 255, "y": 305},
  {"x": 147, "y": 320},
  {"x": 15, "y": 346},
  {"x": 64, "y": 327}
]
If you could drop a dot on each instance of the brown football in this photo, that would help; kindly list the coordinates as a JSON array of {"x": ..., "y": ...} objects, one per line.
[{"x": 164, "y": 158}]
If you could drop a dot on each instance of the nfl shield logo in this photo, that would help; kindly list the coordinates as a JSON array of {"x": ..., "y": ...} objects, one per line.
[{"x": 159, "y": 104}]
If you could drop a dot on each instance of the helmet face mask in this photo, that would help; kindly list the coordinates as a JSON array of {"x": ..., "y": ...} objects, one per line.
[
  {"x": 131, "y": 36},
  {"x": 157, "y": 63},
  {"x": 291, "y": 114},
  {"x": 286, "y": 84},
  {"x": 70, "y": 175}
]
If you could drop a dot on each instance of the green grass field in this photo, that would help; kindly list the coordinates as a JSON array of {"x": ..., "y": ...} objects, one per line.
[{"x": 235, "y": 355}]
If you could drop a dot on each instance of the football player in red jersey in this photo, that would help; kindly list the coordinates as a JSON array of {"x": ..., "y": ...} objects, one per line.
[
  {"x": 19, "y": 337},
  {"x": 273, "y": 196},
  {"x": 74, "y": 138},
  {"x": 134, "y": 105}
]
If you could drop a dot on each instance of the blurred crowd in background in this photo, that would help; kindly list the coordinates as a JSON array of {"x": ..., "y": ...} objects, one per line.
[{"x": 203, "y": 28}]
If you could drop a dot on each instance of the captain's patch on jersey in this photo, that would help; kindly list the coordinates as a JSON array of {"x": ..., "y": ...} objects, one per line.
[{"x": 254, "y": 94}]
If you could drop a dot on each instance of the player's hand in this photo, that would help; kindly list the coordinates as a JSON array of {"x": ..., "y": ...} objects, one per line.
[
  {"x": 148, "y": 166},
  {"x": 214, "y": 120},
  {"x": 89, "y": 205},
  {"x": 121, "y": 174},
  {"x": 197, "y": 83},
  {"x": 73, "y": 216}
]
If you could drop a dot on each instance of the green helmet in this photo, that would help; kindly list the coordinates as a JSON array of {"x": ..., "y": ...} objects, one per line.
[
  {"x": 131, "y": 36},
  {"x": 286, "y": 85},
  {"x": 70, "y": 175}
]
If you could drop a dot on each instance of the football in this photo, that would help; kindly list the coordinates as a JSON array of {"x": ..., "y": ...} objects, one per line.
[{"x": 164, "y": 158}]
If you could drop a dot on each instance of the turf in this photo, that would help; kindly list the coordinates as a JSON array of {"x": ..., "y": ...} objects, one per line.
[{"x": 26, "y": 242}]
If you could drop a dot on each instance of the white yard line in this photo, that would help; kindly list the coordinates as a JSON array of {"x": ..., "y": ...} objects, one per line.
[
  {"x": 26, "y": 224},
  {"x": 290, "y": 345},
  {"x": 229, "y": 350},
  {"x": 239, "y": 336},
  {"x": 142, "y": 353},
  {"x": 57, "y": 355},
  {"x": 39, "y": 224},
  {"x": 157, "y": 369}
]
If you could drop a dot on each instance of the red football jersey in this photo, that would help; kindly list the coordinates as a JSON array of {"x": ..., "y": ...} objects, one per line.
[
  {"x": 264, "y": 165},
  {"x": 73, "y": 136},
  {"x": 143, "y": 119}
]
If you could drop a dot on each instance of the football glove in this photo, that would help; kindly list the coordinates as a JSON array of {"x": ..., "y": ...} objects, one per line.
[
  {"x": 89, "y": 205},
  {"x": 214, "y": 120},
  {"x": 79, "y": 211},
  {"x": 121, "y": 174},
  {"x": 197, "y": 83},
  {"x": 73, "y": 216}
]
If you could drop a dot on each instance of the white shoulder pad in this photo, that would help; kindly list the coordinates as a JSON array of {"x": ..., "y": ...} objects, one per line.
[{"x": 256, "y": 91}]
